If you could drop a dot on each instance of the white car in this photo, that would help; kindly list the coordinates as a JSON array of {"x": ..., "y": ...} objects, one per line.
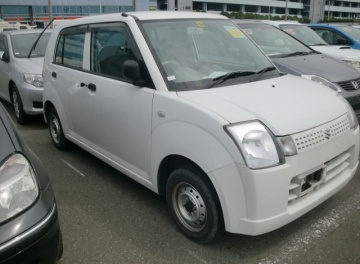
[
  {"x": 310, "y": 38},
  {"x": 21, "y": 71},
  {"x": 188, "y": 106}
]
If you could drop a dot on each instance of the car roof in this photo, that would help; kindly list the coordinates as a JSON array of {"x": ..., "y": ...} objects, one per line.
[
  {"x": 25, "y": 31},
  {"x": 140, "y": 16},
  {"x": 329, "y": 25},
  {"x": 248, "y": 21},
  {"x": 280, "y": 22}
]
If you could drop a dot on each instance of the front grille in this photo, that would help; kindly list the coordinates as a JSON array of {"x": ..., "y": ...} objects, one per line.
[
  {"x": 304, "y": 184},
  {"x": 320, "y": 135},
  {"x": 348, "y": 85}
]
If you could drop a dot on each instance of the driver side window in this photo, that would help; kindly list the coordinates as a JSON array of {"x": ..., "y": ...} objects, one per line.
[{"x": 111, "y": 46}]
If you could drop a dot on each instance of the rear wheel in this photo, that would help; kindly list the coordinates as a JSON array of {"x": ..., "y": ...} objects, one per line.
[
  {"x": 194, "y": 205},
  {"x": 56, "y": 130},
  {"x": 20, "y": 115}
]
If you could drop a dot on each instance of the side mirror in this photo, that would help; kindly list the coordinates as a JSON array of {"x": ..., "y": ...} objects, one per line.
[
  {"x": 131, "y": 70},
  {"x": 4, "y": 56}
]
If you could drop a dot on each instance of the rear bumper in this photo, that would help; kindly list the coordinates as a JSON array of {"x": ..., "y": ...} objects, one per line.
[{"x": 40, "y": 244}]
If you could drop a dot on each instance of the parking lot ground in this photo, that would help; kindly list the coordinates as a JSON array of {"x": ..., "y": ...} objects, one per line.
[{"x": 108, "y": 218}]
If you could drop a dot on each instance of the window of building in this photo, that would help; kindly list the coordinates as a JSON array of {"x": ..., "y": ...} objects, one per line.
[
  {"x": 198, "y": 5},
  {"x": 265, "y": 9},
  {"x": 233, "y": 7},
  {"x": 251, "y": 9},
  {"x": 215, "y": 6}
]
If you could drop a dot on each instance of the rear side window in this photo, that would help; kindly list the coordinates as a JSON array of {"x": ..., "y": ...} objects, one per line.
[
  {"x": 3, "y": 46},
  {"x": 70, "y": 48}
]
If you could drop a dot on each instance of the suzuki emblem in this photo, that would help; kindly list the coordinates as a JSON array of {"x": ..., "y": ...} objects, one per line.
[{"x": 327, "y": 133}]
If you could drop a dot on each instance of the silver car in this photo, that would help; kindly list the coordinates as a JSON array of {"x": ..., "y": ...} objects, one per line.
[{"x": 21, "y": 80}]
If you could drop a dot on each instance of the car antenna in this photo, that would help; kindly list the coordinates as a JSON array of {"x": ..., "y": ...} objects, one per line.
[{"x": 37, "y": 40}]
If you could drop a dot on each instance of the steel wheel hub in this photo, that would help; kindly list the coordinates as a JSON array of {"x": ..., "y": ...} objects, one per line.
[
  {"x": 190, "y": 207},
  {"x": 55, "y": 129},
  {"x": 16, "y": 104}
]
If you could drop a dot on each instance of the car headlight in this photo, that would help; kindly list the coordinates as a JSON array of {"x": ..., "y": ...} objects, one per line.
[
  {"x": 355, "y": 64},
  {"x": 350, "y": 113},
  {"x": 33, "y": 79},
  {"x": 18, "y": 186},
  {"x": 257, "y": 145},
  {"x": 322, "y": 81}
]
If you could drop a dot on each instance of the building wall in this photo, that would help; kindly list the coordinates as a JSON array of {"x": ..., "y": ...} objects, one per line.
[{"x": 37, "y": 10}]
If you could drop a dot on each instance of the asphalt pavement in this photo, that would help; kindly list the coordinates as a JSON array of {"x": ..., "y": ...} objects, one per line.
[{"x": 108, "y": 218}]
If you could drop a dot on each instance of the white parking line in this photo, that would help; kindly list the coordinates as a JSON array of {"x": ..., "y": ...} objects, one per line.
[
  {"x": 320, "y": 229},
  {"x": 72, "y": 167}
]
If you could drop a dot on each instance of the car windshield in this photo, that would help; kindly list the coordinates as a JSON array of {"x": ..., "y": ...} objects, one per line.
[
  {"x": 355, "y": 33},
  {"x": 22, "y": 43},
  {"x": 304, "y": 34},
  {"x": 196, "y": 54},
  {"x": 274, "y": 42}
]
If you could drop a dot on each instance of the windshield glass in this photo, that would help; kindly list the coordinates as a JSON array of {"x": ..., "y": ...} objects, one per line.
[
  {"x": 22, "y": 44},
  {"x": 304, "y": 34},
  {"x": 273, "y": 41},
  {"x": 192, "y": 53},
  {"x": 355, "y": 33}
]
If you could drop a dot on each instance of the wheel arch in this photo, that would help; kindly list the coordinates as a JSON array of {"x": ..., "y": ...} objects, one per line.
[
  {"x": 47, "y": 106},
  {"x": 10, "y": 87}
]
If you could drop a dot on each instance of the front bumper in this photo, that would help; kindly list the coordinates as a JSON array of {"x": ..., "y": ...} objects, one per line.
[
  {"x": 31, "y": 97},
  {"x": 40, "y": 244},
  {"x": 255, "y": 202},
  {"x": 33, "y": 236}
]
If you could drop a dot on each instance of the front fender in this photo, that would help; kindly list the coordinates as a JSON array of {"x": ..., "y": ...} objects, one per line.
[
  {"x": 190, "y": 141},
  {"x": 205, "y": 150}
]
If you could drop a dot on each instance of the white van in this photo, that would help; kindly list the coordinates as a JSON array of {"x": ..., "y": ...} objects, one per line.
[{"x": 187, "y": 105}]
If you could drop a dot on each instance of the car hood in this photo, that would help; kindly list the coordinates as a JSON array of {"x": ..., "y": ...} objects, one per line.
[
  {"x": 329, "y": 68},
  {"x": 340, "y": 52},
  {"x": 286, "y": 105},
  {"x": 31, "y": 65}
]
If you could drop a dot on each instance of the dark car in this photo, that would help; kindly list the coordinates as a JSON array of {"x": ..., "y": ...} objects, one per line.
[
  {"x": 293, "y": 57},
  {"x": 29, "y": 225}
]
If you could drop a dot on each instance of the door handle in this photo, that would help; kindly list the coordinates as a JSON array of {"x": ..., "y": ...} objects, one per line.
[
  {"x": 53, "y": 74},
  {"x": 92, "y": 87}
]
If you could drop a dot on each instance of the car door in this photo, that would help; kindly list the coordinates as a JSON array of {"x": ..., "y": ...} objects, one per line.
[
  {"x": 68, "y": 76},
  {"x": 4, "y": 70},
  {"x": 119, "y": 112}
]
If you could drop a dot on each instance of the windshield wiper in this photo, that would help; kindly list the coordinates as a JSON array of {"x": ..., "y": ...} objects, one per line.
[
  {"x": 298, "y": 53},
  {"x": 319, "y": 44},
  {"x": 231, "y": 75},
  {"x": 267, "y": 69}
]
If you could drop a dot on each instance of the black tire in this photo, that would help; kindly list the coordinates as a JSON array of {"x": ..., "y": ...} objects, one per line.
[
  {"x": 56, "y": 130},
  {"x": 194, "y": 205},
  {"x": 61, "y": 248},
  {"x": 16, "y": 101}
]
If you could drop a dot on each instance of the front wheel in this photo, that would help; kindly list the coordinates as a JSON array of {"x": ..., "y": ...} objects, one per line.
[
  {"x": 56, "y": 130},
  {"x": 20, "y": 115},
  {"x": 194, "y": 205}
]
